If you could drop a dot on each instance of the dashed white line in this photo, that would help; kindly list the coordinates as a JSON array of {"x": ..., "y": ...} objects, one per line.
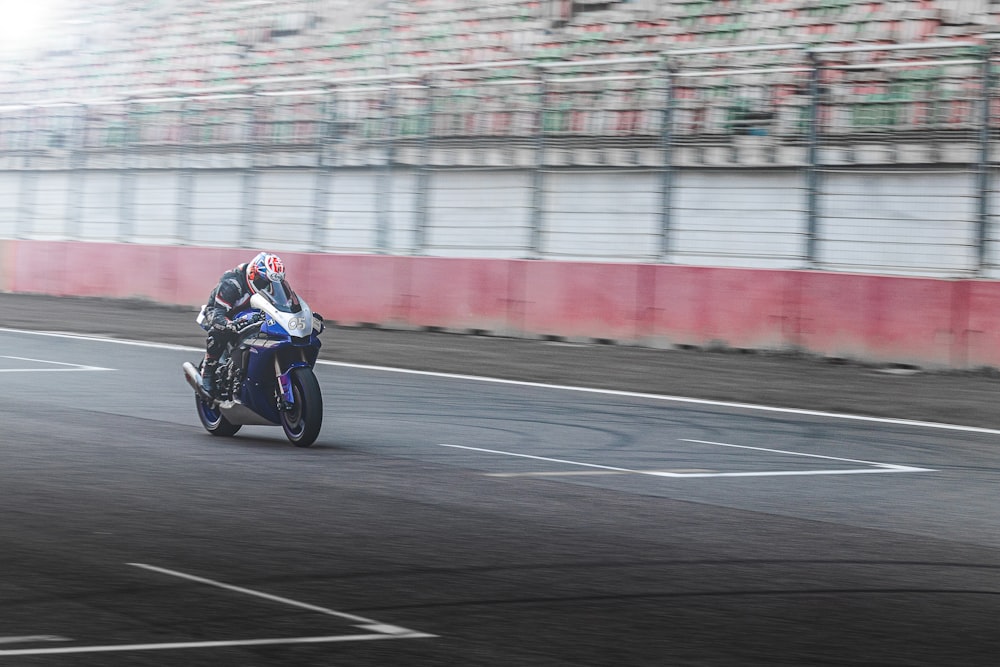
[
  {"x": 31, "y": 639},
  {"x": 71, "y": 367}
]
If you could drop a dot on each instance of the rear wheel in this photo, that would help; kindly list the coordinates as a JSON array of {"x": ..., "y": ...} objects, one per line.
[
  {"x": 212, "y": 419},
  {"x": 303, "y": 422}
]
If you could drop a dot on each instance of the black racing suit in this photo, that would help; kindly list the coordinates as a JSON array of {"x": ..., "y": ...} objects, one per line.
[{"x": 229, "y": 297}]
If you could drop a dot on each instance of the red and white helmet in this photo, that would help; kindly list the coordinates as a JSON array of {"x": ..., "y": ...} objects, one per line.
[{"x": 263, "y": 270}]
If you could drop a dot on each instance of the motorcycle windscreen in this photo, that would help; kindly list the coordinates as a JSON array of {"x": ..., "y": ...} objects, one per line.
[{"x": 282, "y": 297}]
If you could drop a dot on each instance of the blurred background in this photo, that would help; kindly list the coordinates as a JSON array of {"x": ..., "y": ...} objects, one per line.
[{"x": 844, "y": 135}]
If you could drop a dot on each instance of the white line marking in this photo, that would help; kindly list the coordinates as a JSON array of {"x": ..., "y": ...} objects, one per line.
[
  {"x": 33, "y": 638},
  {"x": 560, "y": 473},
  {"x": 545, "y": 458},
  {"x": 367, "y": 622},
  {"x": 387, "y": 629},
  {"x": 890, "y": 466},
  {"x": 102, "y": 339},
  {"x": 539, "y": 385},
  {"x": 883, "y": 467},
  {"x": 379, "y": 630},
  {"x": 72, "y": 367},
  {"x": 212, "y": 644},
  {"x": 586, "y": 473}
]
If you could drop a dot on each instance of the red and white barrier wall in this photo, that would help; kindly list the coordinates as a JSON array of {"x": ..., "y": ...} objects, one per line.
[{"x": 922, "y": 321}]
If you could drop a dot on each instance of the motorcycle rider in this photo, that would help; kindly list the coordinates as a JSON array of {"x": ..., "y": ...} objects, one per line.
[{"x": 230, "y": 296}]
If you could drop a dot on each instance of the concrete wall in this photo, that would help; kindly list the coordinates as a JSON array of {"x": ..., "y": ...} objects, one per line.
[{"x": 923, "y": 321}]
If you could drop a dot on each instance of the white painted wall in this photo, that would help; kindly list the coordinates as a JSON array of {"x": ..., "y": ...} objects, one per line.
[
  {"x": 602, "y": 215},
  {"x": 738, "y": 218},
  {"x": 351, "y": 220},
  {"x": 50, "y": 217},
  {"x": 100, "y": 206},
  {"x": 479, "y": 214},
  {"x": 992, "y": 250},
  {"x": 156, "y": 198},
  {"x": 914, "y": 222},
  {"x": 403, "y": 211},
  {"x": 217, "y": 209},
  {"x": 285, "y": 209},
  {"x": 10, "y": 199}
]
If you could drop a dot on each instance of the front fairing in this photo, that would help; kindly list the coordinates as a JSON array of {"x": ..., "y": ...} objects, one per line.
[{"x": 286, "y": 313}]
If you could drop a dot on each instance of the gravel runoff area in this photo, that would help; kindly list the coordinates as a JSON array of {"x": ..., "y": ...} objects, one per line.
[{"x": 779, "y": 379}]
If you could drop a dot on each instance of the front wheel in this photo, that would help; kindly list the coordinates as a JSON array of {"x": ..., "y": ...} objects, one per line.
[{"x": 304, "y": 420}]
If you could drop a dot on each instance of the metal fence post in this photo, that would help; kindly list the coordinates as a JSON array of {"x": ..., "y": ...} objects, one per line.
[
  {"x": 423, "y": 171},
  {"x": 185, "y": 178},
  {"x": 667, "y": 164},
  {"x": 983, "y": 173},
  {"x": 26, "y": 203},
  {"x": 321, "y": 197},
  {"x": 76, "y": 176},
  {"x": 812, "y": 169},
  {"x": 25, "y": 206},
  {"x": 538, "y": 178},
  {"x": 384, "y": 194},
  {"x": 247, "y": 237},
  {"x": 126, "y": 181}
]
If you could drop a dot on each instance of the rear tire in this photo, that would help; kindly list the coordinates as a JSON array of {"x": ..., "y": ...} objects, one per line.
[
  {"x": 303, "y": 422},
  {"x": 212, "y": 419}
]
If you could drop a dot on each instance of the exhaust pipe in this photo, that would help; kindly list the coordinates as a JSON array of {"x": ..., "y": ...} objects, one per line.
[{"x": 193, "y": 378}]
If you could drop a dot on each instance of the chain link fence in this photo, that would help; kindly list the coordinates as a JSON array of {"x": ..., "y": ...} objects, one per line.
[
  {"x": 478, "y": 161},
  {"x": 899, "y": 150},
  {"x": 872, "y": 159},
  {"x": 601, "y": 181},
  {"x": 745, "y": 109},
  {"x": 989, "y": 181}
]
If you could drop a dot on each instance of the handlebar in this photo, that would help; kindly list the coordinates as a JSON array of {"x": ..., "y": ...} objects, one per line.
[{"x": 241, "y": 324}]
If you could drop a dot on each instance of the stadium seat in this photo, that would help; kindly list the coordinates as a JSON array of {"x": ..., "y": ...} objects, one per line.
[{"x": 113, "y": 47}]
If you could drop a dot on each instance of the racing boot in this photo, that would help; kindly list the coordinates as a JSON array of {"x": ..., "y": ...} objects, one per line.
[{"x": 208, "y": 376}]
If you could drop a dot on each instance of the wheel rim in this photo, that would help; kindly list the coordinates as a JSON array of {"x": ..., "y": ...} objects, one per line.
[
  {"x": 294, "y": 423},
  {"x": 212, "y": 418}
]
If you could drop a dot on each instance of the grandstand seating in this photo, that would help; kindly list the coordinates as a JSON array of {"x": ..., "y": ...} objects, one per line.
[
  {"x": 106, "y": 47},
  {"x": 119, "y": 48}
]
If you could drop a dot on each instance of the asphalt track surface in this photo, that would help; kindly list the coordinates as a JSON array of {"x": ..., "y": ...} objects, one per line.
[{"x": 445, "y": 520}]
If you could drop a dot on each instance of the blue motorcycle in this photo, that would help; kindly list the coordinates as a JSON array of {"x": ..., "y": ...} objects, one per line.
[{"x": 266, "y": 376}]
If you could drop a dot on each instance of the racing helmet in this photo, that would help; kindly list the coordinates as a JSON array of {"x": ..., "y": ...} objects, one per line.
[{"x": 263, "y": 270}]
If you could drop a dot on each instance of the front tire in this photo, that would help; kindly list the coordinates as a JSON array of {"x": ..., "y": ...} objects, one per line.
[{"x": 303, "y": 422}]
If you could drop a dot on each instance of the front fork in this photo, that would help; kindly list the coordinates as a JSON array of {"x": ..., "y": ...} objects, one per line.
[{"x": 285, "y": 397}]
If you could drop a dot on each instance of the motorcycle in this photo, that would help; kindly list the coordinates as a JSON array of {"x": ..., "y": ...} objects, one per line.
[{"x": 266, "y": 376}]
